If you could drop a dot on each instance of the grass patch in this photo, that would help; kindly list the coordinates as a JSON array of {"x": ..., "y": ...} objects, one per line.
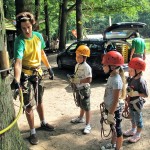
[{"x": 147, "y": 42}]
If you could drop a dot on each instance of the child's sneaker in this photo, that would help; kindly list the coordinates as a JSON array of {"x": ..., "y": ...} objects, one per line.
[
  {"x": 109, "y": 146},
  {"x": 87, "y": 129},
  {"x": 129, "y": 133},
  {"x": 134, "y": 138},
  {"x": 77, "y": 120},
  {"x": 103, "y": 148}
]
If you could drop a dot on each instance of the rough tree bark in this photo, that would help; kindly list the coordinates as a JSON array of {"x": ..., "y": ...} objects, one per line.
[
  {"x": 24, "y": 5},
  {"x": 37, "y": 13},
  {"x": 79, "y": 19},
  {"x": 63, "y": 24},
  {"x": 11, "y": 139},
  {"x": 37, "y": 9},
  {"x": 47, "y": 26}
]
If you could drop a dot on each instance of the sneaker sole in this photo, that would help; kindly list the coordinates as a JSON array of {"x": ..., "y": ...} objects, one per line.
[
  {"x": 76, "y": 122},
  {"x": 47, "y": 129},
  {"x": 34, "y": 143},
  {"x": 128, "y": 135}
]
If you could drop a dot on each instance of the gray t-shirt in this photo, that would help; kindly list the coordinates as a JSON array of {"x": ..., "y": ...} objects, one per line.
[
  {"x": 139, "y": 85},
  {"x": 83, "y": 71},
  {"x": 114, "y": 82}
]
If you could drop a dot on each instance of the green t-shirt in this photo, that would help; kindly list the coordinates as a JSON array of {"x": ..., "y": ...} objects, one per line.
[
  {"x": 29, "y": 50},
  {"x": 139, "y": 45}
]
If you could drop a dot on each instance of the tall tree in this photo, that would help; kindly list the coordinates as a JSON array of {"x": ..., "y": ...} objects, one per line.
[
  {"x": 47, "y": 26},
  {"x": 10, "y": 139},
  {"x": 24, "y": 5},
  {"x": 37, "y": 9},
  {"x": 37, "y": 13},
  {"x": 63, "y": 25},
  {"x": 79, "y": 19}
]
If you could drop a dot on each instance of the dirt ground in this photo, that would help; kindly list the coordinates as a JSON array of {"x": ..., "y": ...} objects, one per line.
[{"x": 60, "y": 109}]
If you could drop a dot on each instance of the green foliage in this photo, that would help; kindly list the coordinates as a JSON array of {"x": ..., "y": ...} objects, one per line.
[
  {"x": 95, "y": 14},
  {"x": 109, "y": 7},
  {"x": 147, "y": 42},
  {"x": 53, "y": 7},
  {"x": 9, "y": 6}
]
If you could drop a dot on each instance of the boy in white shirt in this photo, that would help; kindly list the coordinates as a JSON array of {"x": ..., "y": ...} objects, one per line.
[{"x": 82, "y": 80}]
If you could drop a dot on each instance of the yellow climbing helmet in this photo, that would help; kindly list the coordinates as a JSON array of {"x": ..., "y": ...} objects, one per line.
[{"x": 83, "y": 50}]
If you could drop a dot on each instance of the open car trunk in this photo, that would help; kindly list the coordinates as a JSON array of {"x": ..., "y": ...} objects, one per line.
[{"x": 117, "y": 35}]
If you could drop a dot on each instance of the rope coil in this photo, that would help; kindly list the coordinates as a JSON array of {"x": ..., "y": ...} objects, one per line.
[
  {"x": 4, "y": 70},
  {"x": 103, "y": 120}
]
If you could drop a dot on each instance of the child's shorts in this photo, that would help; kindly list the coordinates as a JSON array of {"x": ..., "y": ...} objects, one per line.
[
  {"x": 84, "y": 98},
  {"x": 30, "y": 89}
]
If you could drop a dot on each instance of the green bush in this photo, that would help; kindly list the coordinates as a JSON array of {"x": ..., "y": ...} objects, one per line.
[{"x": 147, "y": 41}]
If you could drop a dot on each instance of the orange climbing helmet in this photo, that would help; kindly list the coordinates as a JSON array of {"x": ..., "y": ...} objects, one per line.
[
  {"x": 83, "y": 50},
  {"x": 137, "y": 64},
  {"x": 113, "y": 58}
]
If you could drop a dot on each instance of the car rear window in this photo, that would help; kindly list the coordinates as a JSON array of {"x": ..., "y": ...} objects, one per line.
[{"x": 95, "y": 47}]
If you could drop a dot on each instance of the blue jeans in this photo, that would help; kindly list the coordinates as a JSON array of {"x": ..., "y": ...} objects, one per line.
[{"x": 136, "y": 118}]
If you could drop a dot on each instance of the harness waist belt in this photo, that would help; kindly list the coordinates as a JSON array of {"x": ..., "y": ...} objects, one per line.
[
  {"x": 134, "y": 103},
  {"x": 31, "y": 68},
  {"x": 134, "y": 98},
  {"x": 82, "y": 87}
]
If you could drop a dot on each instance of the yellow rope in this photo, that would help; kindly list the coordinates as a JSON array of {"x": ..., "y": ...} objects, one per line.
[{"x": 18, "y": 115}]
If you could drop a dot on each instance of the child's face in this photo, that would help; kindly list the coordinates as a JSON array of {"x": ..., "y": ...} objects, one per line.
[
  {"x": 26, "y": 28},
  {"x": 131, "y": 72},
  {"x": 106, "y": 68},
  {"x": 79, "y": 58}
]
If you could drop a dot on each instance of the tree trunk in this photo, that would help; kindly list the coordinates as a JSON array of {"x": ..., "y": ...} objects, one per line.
[
  {"x": 79, "y": 19},
  {"x": 24, "y": 5},
  {"x": 11, "y": 139},
  {"x": 5, "y": 9},
  {"x": 59, "y": 19},
  {"x": 37, "y": 9},
  {"x": 47, "y": 21},
  {"x": 37, "y": 13},
  {"x": 63, "y": 26}
]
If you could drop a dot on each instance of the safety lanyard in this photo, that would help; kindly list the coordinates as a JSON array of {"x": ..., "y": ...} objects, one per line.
[{"x": 78, "y": 68}]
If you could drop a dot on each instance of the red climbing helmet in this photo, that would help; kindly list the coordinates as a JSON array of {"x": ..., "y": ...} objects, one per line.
[
  {"x": 113, "y": 58},
  {"x": 137, "y": 64}
]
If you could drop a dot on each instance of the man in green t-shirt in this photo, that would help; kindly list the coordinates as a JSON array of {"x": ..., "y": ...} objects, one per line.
[
  {"x": 138, "y": 47},
  {"x": 29, "y": 54}
]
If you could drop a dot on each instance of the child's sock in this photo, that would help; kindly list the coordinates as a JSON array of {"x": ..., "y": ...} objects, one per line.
[
  {"x": 32, "y": 131},
  {"x": 43, "y": 122},
  {"x": 133, "y": 129},
  {"x": 138, "y": 134}
]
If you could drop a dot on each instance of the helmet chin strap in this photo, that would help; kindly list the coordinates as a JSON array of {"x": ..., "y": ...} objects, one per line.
[
  {"x": 136, "y": 74},
  {"x": 82, "y": 61},
  {"x": 110, "y": 70}
]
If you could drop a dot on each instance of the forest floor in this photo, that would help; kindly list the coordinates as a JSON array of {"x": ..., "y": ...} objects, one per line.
[{"x": 60, "y": 109}]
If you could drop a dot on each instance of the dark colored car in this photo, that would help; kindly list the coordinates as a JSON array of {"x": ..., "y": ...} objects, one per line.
[{"x": 115, "y": 38}]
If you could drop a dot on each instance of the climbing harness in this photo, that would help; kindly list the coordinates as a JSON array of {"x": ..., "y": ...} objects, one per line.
[
  {"x": 103, "y": 121},
  {"x": 125, "y": 111},
  {"x": 74, "y": 90},
  {"x": 37, "y": 77}
]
